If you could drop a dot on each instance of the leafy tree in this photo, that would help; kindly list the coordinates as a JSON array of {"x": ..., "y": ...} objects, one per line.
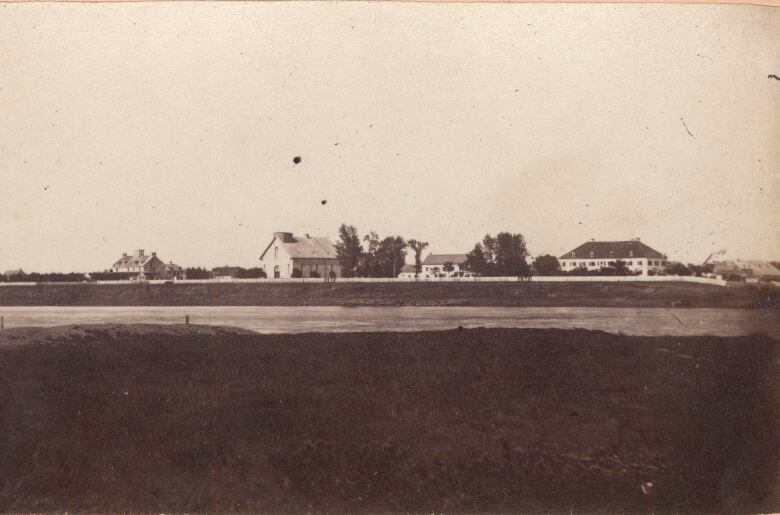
[
  {"x": 546, "y": 265},
  {"x": 252, "y": 273},
  {"x": 417, "y": 246},
  {"x": 390, "y": 256},
  {"x": 349, "y": 250},
  {"x": 449, "y": 266},
  {"x": 619, "y": 267},
  {"x": 504, "y": 255},
  {"x": 197, "y": 273},
  {"x": 477, "y": 261},
  {"x": 675, "y": 268},
  {"x": 369, "y": 264}
]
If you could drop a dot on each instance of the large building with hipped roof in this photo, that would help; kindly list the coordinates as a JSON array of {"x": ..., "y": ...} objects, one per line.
[{"x": 594, "y": 255}]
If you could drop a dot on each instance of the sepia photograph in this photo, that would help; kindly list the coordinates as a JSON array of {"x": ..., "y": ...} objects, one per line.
[{"x": 389, "y": 257}]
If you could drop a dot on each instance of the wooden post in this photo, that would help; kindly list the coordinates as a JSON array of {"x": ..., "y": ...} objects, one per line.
[
  {"x": 2, "y": 322},
  {"x": 187, "y": 319}
]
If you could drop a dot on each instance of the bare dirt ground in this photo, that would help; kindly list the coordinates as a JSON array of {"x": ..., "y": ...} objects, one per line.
[{"x": 188, "y": 418}]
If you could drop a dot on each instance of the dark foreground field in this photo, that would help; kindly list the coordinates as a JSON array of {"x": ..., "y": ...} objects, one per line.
[
  {"x": 601, "y": 294},
  {"x": 145, "y": 418}
]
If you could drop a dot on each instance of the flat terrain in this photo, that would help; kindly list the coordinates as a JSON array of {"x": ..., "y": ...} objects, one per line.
[
  {"x": 601, "y": 294},
  {"x": 187, "y": 418}
]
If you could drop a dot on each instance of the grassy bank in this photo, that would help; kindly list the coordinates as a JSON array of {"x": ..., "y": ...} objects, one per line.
[
  {"x": 145, "y": 418},
  {"x": 406, "y": 294}
]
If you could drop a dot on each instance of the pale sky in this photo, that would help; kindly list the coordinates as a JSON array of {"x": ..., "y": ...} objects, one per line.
[{"x": 172, "y": 127}]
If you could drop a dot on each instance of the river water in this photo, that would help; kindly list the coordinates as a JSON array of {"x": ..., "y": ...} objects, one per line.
[{"x": 296, "y": 319}]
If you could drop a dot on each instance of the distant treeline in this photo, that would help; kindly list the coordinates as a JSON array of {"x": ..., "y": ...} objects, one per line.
[
  {"x": 76, "y": 277},
  {"x": 35, "y": 277}
]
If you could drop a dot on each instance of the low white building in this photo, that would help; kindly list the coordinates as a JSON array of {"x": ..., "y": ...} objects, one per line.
[
  {"x": 300, "y": 256},
  {"x": 436, "y": 265},
  {"x": 593, "y": 255},
  {"x": 407, "y": 272}
]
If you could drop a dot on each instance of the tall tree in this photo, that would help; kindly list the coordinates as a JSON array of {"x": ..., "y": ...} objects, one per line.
[
  {"x": 476, "y": 261},
  {"x": 504, "y": 255},
  {"x": 369, "y": 265},
  {"x": 390, "y": 256},
  {"x": 546, "y": 265},
  {"x": 417, "y": 246},
  {"x": 349, "y": 250}
]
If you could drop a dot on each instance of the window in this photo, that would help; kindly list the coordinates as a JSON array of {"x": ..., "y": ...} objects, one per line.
[
  {"x": 276, "y": 253},
  {"x": 573, "y": 255},
  {"x": 592, "y": 254},
  {"x": 592, "y": 263},
  {"x": 630, "y": 253}
]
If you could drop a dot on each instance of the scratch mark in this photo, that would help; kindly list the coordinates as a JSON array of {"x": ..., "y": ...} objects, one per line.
[
  {"x": 687, "y": 129},
  {"x": 773, "y": 76},
  {"x": 675, "y": 316}
]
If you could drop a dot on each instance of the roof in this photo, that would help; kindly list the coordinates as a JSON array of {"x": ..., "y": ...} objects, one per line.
[
  {"x": 134, "y": 260},
  {"x": 440, "y": 259},
  {"x": 301, "y": 247},
  {"x": 613, "y": 250}
]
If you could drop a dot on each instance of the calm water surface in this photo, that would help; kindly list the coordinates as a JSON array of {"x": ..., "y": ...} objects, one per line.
[{"x": 275, "y": 319}]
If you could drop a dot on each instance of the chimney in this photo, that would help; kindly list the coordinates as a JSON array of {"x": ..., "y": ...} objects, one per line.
[
  {"x": 139, "y": 252},
  {"x": 124, "y": 254},
  {"x": 307, "y": 236},
  {"x": 154, "y": 254},
  {"x": 284, "y": 236}
]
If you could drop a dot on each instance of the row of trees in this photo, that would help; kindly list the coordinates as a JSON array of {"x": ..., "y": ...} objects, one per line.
[
  {"x": 35, "y": 277},
  {"x": 381, "y": 257},
  {"x": 372, "y": 256},
  {"x": 504, "y": 255}
]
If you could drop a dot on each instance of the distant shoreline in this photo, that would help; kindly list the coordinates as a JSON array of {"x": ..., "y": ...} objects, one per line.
[{"x": 505, "y": 294}]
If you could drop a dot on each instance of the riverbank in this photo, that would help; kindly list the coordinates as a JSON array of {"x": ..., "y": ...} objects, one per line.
[
  {"x": 189, "y": 418},
  {"x": 525, "y": 294}
]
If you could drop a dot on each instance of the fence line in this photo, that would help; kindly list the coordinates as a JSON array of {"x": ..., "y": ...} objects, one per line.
[{"x": 308, "y": 280}]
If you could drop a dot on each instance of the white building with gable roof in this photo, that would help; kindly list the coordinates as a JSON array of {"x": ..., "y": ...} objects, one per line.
[{"x": 311, "y": 256}]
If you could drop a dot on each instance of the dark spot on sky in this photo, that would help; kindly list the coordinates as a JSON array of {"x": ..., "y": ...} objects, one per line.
[
  {"x": 296, "y": 159},
  {"x": 324, "y": 202},
  {"x": 773, "y": 76}
]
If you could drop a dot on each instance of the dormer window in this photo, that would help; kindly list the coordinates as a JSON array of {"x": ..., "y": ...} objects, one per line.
[
  {"x": 630, "y": 253},
  {"x": 611, "y": 254},
  {"x": 592, "y": 254},
  {"x": 573, "y": 255}
]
